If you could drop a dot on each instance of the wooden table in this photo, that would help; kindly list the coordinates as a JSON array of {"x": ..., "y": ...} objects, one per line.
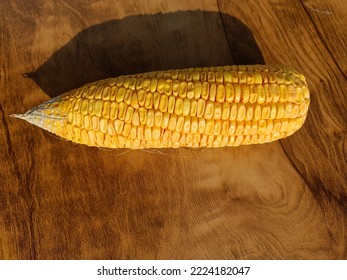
[{"x": 283, "y": 200}]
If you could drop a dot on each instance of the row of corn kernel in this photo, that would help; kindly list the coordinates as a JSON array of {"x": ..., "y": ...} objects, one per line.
[
  {"x": 257, "y": 74},
  {"x": 211, "y": 76},
  {"x": 165, "y": 120},
  {"x": 214, "y": 92},
  {"x": 196, "y": 88},
  {"x": 185, "y": 124},
  {"x": 185, "y": 108},
  {"x": 169, "y": 139}
]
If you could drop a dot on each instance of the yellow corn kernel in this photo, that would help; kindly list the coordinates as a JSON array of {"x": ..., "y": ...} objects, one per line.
[
  {"x": 217, "y": 127},
  {"x": 201, "y": 125},
  {"x": 126, "y": 82},
  {"x": 186, "y": 125},
  {"x": 103, "y": 125},
  {"x": 196, "y": 76},
  {"x": 141, "y": 97},
  {"x": 225, "y": 111},
  {"x": 186, "y": 107},
  {"x": 90, "y": 92},
  {"x": 175, "y": 136},
  {"x": 129, "y": 114},
  {"x": 172, "y": 122},
  {"x": 280, "y": 111},
  {"x": 148, "y": 133},
  {"x": 98, "y": 93},
  {"x": 158, "y": 118},
  {"x": 237, "y": 92},
  {"x": 200, "y": 108},
  {"x": 261, "y": 126},
  {"x": 249, "y": 112},
  {"x": 265, "y": 113},
  {"x": 260, "y": 94},
  {"x": 150, "y": 118},
  {"x": 91, "y": 107},
  {"x": 126, "y": 129},
  {"x": 179, "y": 124},
  {"x": 209, "y": 110},
  {"x": 197, "y": 90},
  {"x": 143, "y": 115},
  {"x": 139, "y": 83},
  {"x": 194, "y": 125},
  {"x": 211, "y": 77},
  {"x": 134, "y": 100},
  {"x": 183, "y": 90},
  {"x": 288, "y": 110},
  {"x": 98, "y": 107},
  {"x": 254, "y": 128},
  {"x": 110, "y": 129},
  {"x": 105, "y": 93},
  {"x": 153, "y": 85},
  {"x": 84, "y": 106},
  {"x": 160, "y": 86},
  {"x": 234, "y": 77},
  {"x": 175, "y": 87},
  {"x": 84, "y": 136},
  {"x": 165, "y": 120},
  {"x": 95, "y": 123},
  {"x": 205, "y": 90},
  {"x": 133, "y": 133},
  {"x": 193, "y": 107},
  {"x": 219, "y": 77},
  {"x": 273, "y": 112},
  {"x": 113, "y": 93},
  {"x": 284, "y": 125},
  {"x": 213, "y": 91},
  {"x": 295, "y": 111},
  {"x": 268, "y": 96},
  {"x": 239, "y": 128},
  {"x": 77, "y": 121},
  {"x": 229, "y": 92},
  {"x": 122, "y": 110},
  {"x": 209, "y": 127},
  {"x": 156, "y": 100},
  {"x": 87, "y": 122},
  {"x": 179, "y": 106},
  {"x": 163, "y": 103},
  {"x": 149, "y": 101},
  {"x": 227, "y": 77},
  {"x": 156, "y": 132},
  {"x": 171, "y": 104},
  {"x": 140, "y": 132},
  {"x": 233, "y": 112},
  {"x": 275, "y": 92},
  {"x": 303, "y": 109},
  {"x": 167, "y": 136},
  {"x": 190, "y": 90},
  {"x": 106, "y": 109},
  {"x": 120, "y": 94},
  {"x": 118, "y": 125},
  {"x": 91, "y": 136},
  {"x": 220, "y": 97},
  {"x": 257, "y": 112},
  {"x": 217, "y": 111},
  {"x": 291, "y": 93}
]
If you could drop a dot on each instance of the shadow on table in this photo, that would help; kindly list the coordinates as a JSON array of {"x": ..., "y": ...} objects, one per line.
[{"x": 145, "y": 43}]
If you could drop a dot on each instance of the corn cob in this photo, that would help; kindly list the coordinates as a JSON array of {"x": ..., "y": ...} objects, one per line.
[{"x": 195, "y": 107}]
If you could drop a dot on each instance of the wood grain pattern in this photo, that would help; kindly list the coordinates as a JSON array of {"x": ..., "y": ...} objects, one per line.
[{"x": 284, "y": 200}]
